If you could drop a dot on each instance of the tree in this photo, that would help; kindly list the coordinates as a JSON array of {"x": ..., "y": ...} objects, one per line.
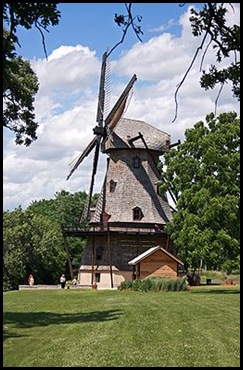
[
  {"x": 32, "y": 243},
  {"x": 66, "y": 210},
  {"x": 33, "y": 240},
  {"x": 20, "y": 83},
  {"x": 204, "y": 175},
  {"x": 209, "y": 23}
]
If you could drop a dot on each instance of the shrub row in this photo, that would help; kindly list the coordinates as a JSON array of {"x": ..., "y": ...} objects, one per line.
[{"x": 155, "y": 284}]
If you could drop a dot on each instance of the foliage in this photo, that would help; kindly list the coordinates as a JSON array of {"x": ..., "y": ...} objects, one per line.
[
  {"x": 154, "y": 284},
  {"x": 31, "y": 244},
  {"x": 20, "y": 83},
  {"x": 211, "y": 21},
  {"x": 220, "y": 275},
  {"x": 204, "y": 175},
  {"x": 33, "y": 241},
  {"x": 65, "y": 209}
]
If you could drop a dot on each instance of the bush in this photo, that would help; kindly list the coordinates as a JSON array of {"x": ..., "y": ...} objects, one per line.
[
  {"x": 136, "y": 284},
  {"x": 125, "y": 285},
  {"x": 155, "y": 284}
]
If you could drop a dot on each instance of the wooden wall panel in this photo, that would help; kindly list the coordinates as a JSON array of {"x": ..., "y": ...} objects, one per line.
[{"x": 158, "y": 264}]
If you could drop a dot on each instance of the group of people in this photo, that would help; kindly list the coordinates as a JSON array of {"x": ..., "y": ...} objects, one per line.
[
  {"x": 63, "y": 281},
  {"x": 31, "y": 280}
]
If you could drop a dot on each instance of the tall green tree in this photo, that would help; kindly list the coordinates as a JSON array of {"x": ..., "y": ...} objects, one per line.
[
  {"x": 66, "y": 210},
  {"x": 20, "y": 83},
  {"x": 204, "y": 175},
  {"x": 33, "y": 240},
  {"x": 32, "y": 243}
]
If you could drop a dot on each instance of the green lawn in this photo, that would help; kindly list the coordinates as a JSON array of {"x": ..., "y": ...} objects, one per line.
[{"x": 89, "y": 328}]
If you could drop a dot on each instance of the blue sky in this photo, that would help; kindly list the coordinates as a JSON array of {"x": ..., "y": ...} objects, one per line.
[
  {"x": 92, "y": 25},
  {"x": 66, "y": 102}
]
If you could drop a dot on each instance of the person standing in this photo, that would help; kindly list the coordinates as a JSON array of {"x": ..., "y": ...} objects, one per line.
[
  {"x": 31, "y": 280},
  {"x": 75, "y": 281},
  {"x": 63, "y": 281}
]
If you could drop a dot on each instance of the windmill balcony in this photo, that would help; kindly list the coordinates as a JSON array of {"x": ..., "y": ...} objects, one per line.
[{"x": 129, "y": 228}]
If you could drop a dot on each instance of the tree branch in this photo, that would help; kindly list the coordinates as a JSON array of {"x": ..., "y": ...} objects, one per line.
[
  {"x": 126, "y": 21},
  {"x": 38, "y": 26},
  {"x": 185, "y": 75},
  {"x": 217, "y": 98}
]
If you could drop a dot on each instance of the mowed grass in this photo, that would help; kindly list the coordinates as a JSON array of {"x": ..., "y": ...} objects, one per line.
[{"x": 110, "y": 328}]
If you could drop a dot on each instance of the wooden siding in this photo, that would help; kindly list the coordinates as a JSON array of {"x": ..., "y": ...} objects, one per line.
[
  {"x": 158, "y": 264},
  {"x": 123, "y": 249}
]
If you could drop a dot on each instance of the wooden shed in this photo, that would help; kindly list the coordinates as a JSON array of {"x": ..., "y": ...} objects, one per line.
[{"x": 157, "y": 262}]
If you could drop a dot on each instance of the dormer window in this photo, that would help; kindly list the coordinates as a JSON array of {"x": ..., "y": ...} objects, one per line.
[
  {"x": 137, "y": 214},
  {"x": 112, "y": 186},
  {"x": 136, "y": 162}
]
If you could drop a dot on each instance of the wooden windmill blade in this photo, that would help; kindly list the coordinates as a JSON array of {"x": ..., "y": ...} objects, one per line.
[
  {"x": 118, "y": 109},
  {"x": 85, "y": 153},
  {"x": 99, "y": 118},
  {"x": 94, "y": 170},
  {"x": 101, "y": 98},
  {"x": 100, "y": 131}
]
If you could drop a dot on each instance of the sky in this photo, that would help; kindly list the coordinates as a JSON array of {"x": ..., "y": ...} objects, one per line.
[{"x": 66, "y": 103}]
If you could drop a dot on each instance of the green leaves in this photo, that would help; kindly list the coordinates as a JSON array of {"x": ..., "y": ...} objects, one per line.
[
  {"x": 20, "y": 83},
  {"x": 204, "y": 172},
  {"x": 210, "y": 21},
  {"x": 33, "y": 240}
]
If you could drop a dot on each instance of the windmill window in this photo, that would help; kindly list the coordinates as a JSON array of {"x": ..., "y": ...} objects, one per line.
[
  {"x": 112, "y": 186},
  {"x": 97, "y": 277},
  {"x": 136, "y": 162},
  {"x": 99, "y": 253},
  {"x": 137, "y": 214}
]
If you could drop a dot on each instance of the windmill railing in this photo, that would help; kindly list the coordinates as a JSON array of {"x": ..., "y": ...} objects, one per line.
[{"x": 118, "y": 227}]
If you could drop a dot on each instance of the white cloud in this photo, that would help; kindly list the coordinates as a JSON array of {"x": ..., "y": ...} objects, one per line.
[{"x": 66, "y": 110}]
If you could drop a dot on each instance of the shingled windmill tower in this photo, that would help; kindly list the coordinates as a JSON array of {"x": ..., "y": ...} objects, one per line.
[{"x": 130, "y": 214}]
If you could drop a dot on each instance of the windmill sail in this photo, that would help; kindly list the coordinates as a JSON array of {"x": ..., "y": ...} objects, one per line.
[
  {"x": 85, "y": 214},
  {"x": 99, "y": 117},
  {"x": 86, "y": 152},
  {"x": 101, "y": 98},
  {"x": 100, "y": 131},
  {"x": 118, "y": 109}
]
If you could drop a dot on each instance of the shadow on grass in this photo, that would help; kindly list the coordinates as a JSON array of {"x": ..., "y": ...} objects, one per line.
[
  {"x": 7, "y": 335},
  {"x": 32, "y": 319}
]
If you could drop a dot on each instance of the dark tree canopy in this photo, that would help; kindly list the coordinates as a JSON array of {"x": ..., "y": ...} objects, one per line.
[
  {"x": 211, "y": 22},
  {"x": 20, "y": 83},
  {"x": 33, "y": 240}
]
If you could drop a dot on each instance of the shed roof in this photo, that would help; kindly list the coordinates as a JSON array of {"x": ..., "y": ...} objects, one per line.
[{"x": 150, "y": 251}]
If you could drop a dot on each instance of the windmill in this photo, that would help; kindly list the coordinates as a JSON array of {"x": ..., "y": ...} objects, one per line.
[
  {"x": 130, "y": 213},
  {"x": 104, "y": 127}
]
